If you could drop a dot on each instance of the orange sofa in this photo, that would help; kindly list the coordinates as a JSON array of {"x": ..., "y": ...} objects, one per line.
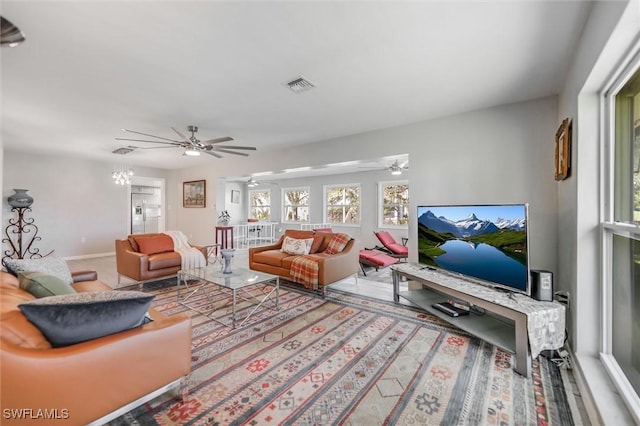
[
  {"x": 90, "y": 382},
  {"x": 151, "y": 261},
  {"x": 331, "y": 268}
]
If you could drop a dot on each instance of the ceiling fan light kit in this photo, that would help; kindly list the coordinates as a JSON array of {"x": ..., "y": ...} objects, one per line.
[{"x": 192, "y": 146}]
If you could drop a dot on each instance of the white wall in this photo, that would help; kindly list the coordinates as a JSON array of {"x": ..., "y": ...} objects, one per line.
[{"x": 77, "y": 207}]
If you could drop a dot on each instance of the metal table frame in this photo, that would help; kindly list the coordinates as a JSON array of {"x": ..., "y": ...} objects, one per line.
[{"x": 238, "y": 292}]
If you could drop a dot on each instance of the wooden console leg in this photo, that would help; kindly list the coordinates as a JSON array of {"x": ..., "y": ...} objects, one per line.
[
  {"x": 396, "y": 285},
  {"x": 523, "y": 354}
]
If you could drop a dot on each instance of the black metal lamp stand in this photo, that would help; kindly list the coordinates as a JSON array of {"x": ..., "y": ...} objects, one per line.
[{"x": 20, "y": 234}]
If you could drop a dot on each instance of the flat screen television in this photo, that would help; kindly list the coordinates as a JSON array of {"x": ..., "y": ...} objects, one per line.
[{"x": 488, "y": 243}]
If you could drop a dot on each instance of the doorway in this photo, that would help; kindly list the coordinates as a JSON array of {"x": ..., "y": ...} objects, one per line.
[{"x": 146, "y": 205}]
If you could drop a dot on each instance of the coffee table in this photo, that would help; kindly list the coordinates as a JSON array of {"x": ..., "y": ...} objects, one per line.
[{"x": 237, "y": 283}]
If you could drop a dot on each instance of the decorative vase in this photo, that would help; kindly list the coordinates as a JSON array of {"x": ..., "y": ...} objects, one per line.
[
  {"x": 20, "y": 198},
  {"x": 227, "y": 254},
  {"x": 223, "y": 223}
]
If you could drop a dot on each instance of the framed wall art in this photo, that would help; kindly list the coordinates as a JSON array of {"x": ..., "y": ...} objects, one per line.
[
  {"x": 563, "y": 150},
  {"x": 194, "y": 193},
  {"x": 235, "y": 196}
]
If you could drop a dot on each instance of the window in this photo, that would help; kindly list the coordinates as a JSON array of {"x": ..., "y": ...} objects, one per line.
[
  {"x": 295, "y": 206},
  {"x": 342, "y": 204},
  {"x": 621, "y": 237},
  {"x": 393, "y": 204},
  {"x": 260, "y": 204}
]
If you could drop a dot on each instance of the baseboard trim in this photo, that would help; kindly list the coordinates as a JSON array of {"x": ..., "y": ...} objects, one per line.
[
  {"x": 585, "y": 392},
  {"x": 89, "y": 256},
  {"x": 603, "y": 403}
]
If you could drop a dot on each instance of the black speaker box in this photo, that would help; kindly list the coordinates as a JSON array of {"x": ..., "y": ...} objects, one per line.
[{"x": 542, "y": 285}]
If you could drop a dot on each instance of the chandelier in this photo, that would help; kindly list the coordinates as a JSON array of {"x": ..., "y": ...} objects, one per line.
[{"x": 122, "y": 173}]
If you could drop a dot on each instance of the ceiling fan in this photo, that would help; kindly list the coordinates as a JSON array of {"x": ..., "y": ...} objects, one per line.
[
  {"x": 192, "y": 145},
  {"x": 252, "y": 183},
  {"x": 396, "y": 168}
]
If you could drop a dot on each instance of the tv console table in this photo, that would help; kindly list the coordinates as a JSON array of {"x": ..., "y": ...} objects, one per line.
[{"x": 519, "y": 324}]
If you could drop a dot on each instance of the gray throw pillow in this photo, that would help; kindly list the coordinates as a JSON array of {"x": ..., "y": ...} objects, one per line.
[
  {"x": 74, "y": 318},
  {"x": 50, "y": 265},
  {"x": 40, "y": 284}
]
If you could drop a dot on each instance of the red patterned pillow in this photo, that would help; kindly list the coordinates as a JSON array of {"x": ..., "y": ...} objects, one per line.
[
  {"x": 322, "y": 229},
  {"x": 317, "y": 243},
  {"x": 337, "y": 244}
]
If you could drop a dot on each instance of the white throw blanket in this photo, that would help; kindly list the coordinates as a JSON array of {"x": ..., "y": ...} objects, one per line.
[{"x": 191, "y": 256}]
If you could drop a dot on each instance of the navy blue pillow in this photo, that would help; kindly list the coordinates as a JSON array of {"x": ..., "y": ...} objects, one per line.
[{"x": 73, "y": 318}]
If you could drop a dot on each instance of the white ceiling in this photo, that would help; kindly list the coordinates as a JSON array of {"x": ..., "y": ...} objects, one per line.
[{"x": 90, "y": 68}]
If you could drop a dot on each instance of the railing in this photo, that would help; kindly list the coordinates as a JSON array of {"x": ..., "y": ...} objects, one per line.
[
  {"x": 312, "y": 226},
  {"x": 253, "y": 234}
]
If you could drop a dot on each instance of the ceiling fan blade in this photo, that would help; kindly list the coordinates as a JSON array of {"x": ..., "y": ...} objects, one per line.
[
  {"x": 184, "y": 138},
  {"x": 213, "y": 153},
  {"x": 156, "y": 147},
  {"x": 218, "y": 140},
  {"x": 142, "y": 140},
  {"x": 217, "y": 148},
  {"x": 228, "y": 152},
  {"x": 153, "y": 136}
]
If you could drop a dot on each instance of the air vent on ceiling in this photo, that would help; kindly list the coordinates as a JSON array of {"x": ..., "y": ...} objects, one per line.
[
  {"x": 300, "y": 84},
  {"x": 122, "y": 151}
]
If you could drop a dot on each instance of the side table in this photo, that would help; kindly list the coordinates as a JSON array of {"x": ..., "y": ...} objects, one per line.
[{"x": 224, "y": 235}]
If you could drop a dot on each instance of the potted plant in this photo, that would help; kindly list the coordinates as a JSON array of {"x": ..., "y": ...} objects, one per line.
[{"x": 223, "y": 218}]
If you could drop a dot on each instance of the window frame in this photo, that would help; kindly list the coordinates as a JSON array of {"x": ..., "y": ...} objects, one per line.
[
  {"x": 380, "y": 204},
  {"x": 610, "y": 228},
  {"x": 325, "y": 205},
  {"x": 284, "y": 206},
  {"x": 251, "y": 206}
]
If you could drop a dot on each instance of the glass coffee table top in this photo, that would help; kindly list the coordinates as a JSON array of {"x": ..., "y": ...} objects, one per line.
[
  {"x": 238, "y": 283},
  {"x": 240, "y": 277}
]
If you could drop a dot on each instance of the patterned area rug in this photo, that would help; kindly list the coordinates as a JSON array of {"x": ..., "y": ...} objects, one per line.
[{"x": 346, "y": 360}]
